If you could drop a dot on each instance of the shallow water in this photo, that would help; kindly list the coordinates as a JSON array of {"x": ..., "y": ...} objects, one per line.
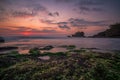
[{"x": 100, "y": 43}]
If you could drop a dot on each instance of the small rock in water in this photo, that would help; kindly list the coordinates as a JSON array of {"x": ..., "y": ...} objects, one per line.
[
  {"x": 47, "y": 47},
  {"x": 8, "y": 48}
]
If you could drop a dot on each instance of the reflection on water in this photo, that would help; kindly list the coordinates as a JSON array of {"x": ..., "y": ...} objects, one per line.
[
  {"x": 26, "y": 51},
  {"x": 23, "y": 51},
  {"x": 100, "y": 43},
  {"x": 58, "y": 50}
]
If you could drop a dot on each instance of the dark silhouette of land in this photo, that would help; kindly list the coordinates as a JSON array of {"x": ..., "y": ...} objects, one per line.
[
  {"x": 112, "y": 32},
  {"x": 78, "y": 34}
]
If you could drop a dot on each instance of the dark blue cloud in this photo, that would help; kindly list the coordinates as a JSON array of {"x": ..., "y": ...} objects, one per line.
[
  {"x": 76, "y": 22},
  {"x": 54, "y": 14},
  {"x": 90, "y": 2},
  {"x": 24, "y": 8},
  {"x": 17, "y": 8},
  {"x": 64, "y": 1},
  {"x": 48, "y": 31},
  {"x": 87, "y": 6},
  {"x": 64, "y": 26},
  {"x": 62, "y": 23},
  {"x": 84, "y": 9}
]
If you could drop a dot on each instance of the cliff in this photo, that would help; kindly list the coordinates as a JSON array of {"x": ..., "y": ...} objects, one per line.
[{"x": 113, "y": 32}]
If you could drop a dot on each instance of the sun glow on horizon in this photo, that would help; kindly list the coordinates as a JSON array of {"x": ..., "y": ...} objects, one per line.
[{"x": 27, "y": 33}]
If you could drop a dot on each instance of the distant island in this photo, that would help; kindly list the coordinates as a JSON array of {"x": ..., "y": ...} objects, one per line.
[
  {"x": 78, "y": 34},
  {"x": 112, "y": 32},
  {"x": 2, "y": 39}
]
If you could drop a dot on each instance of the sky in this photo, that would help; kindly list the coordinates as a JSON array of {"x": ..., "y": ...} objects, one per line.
[{"x": 57, "y": 17}]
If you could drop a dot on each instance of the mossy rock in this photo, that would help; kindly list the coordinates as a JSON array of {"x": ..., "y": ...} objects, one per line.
[{"x": 34, "y": 52}]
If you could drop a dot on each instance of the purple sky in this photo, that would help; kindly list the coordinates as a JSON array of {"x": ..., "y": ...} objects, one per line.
[{"x": 57, "y": 17}]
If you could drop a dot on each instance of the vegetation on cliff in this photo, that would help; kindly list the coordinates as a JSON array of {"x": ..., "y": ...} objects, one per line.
[{"x": 113, "y": 32}]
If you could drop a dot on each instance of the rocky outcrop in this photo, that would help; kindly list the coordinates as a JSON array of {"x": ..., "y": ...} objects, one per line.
[
  {"x": 78, "y": 34},
  {"x": 2, "y": 39},
  {"x": 112, "y": 32}
]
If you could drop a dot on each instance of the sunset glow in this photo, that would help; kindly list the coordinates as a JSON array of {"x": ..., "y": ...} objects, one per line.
[
  {"x": 59, "y": 39},
  {"x": 26, "y": 33},
  {"x": 55, "y": 17}
]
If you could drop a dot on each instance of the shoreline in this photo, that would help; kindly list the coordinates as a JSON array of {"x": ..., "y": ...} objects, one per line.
[
  {"x": 69, "y": 65},
  {"x": 53, "y": 49}
]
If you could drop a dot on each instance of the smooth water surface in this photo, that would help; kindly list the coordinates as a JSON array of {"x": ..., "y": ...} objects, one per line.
[{"x": 100, "y": 43}]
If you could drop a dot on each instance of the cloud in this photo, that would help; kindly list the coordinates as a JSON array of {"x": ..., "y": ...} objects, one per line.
[
  {"x": 2, "y": 19},
  {"x": 5, "y": 2},
  {"x": 35, "y": 8},
  {"x": 21, "y": 28},
  {"x": 30, "y": 10},
  {"x": 84, "y": 9},
  {"x": 64, "y": 27},
  {"x": 23, "y": 14},
  {"x": 47, "y": 21},
  {"x": 87, "y": 6},
  {"x": 38, "y": 8},
  {"x": 24, "y": 9},
  {"x": 54, "y": 14},
  {"x": 90, "y": 2},
  {"x": 76, "y": 22},
  {"x": 62, "y": 23},
  {"x": 64, "y": 1},
  {"x": 83, "y": 23},
  {"x": 4, "y": 15},
  {"x": 17, "y": 30},
  {"x": 48, "y": 31},
  {"x": 1, "y": 9}
]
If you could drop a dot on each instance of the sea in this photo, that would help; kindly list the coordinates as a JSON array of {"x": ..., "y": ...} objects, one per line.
[{"x": 26, "y": 43}]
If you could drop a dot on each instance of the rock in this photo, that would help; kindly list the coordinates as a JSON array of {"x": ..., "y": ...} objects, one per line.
[
  {"x": 47, "y": 47},
  {"x": 2, "y": 39},
  {"x": 8, "y": 48},
  {"x": 69, "y": 36},
  {"x": 78, "y": 34},
  {"x": 34, "y": 52},
  {"x": 44, "y": 57},
  {"x": 68, "y": 46}
]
